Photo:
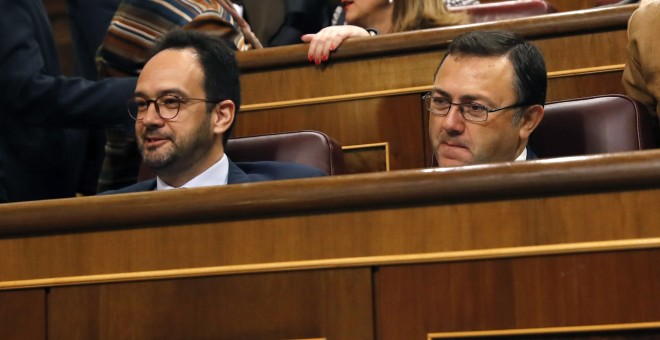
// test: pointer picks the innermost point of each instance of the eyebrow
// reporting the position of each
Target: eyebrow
(463, 98)
(174, 91)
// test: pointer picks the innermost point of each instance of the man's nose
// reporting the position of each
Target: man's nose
(454, 123)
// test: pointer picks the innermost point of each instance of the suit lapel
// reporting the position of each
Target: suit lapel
(236, 175)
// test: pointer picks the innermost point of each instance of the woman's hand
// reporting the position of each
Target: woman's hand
(328, 39)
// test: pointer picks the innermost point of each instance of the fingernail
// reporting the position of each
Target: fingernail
(310, 57)
(325, 58)
(332, 47)
(317, 61)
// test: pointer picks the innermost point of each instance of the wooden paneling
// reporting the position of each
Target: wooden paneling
(23, 314)
(332, 304)
(562, 5)
(393, 119)
(537, 292)
(492, 206)
(585, 85)
(523, 245)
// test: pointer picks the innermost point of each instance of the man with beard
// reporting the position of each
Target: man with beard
(487, 98)
(184, 108)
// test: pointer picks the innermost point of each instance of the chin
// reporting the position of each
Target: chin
(448, 162)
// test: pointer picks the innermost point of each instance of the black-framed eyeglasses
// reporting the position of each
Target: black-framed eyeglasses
(473, 112)
(167, 105)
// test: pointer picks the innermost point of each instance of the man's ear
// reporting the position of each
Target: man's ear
(223, 116)
(530, 120)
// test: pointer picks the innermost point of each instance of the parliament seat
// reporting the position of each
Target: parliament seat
(306, 147)
(313, 148)
(592, 125)
(504, 10)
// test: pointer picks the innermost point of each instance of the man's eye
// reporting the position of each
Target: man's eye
(170, 102)
(141, 104)
(475, 107)
(440, 101)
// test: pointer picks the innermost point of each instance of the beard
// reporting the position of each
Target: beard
(179, 153)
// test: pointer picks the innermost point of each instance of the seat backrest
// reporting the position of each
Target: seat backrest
(502, 10)
(591, 125)
(307, 147)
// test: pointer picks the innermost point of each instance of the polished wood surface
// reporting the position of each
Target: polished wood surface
(404, 254)
(563, 5)
(522, 293)
(332, 304)
(279, 222)
(23, 314)
(556, 25)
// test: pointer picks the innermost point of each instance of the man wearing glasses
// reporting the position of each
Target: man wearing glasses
(184, 107)
(487, 98)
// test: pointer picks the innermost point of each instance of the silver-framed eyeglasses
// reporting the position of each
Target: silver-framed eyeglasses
(473, 112)
(167, 105)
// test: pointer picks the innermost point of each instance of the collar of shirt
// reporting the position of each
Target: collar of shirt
(523, 155)
(215, 175)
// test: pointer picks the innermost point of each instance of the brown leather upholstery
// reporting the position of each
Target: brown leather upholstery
(311, 148)
(506, 10)
(591, 125)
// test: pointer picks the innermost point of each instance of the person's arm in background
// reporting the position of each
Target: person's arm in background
(327, 40)
(641, 76)
(31, 89)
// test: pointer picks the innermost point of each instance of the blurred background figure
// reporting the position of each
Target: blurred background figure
(88, 23)
(283, 22)
(45, 117)
(371, 17)
(641, 76)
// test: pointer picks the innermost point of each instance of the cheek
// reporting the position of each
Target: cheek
(435, 126)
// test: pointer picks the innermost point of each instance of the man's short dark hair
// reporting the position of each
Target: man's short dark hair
(221, 75)
(530, 82)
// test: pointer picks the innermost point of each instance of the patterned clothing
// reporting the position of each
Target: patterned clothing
(338, 17)
(458, 3)
(138, 24)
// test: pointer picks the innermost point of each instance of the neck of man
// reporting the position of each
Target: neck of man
(181, 173)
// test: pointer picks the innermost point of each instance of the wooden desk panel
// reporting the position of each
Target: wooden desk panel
(23, 314)
(595, 289)
(388, 119)
(332, 304)
(395, 62)
(501, 246)
(322, 222)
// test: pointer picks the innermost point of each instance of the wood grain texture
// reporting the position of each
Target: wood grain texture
(392, 119)
(552, 291)
(588, 199)
(23, 314)
(334, 304)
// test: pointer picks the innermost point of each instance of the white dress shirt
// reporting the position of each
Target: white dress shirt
(523, 155)
(215, 175)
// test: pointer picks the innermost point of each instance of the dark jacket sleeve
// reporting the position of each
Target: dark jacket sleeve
(31, 88)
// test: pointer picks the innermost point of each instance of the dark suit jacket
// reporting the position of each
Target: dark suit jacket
(243, 172)
(40, 151)
(530, 154)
